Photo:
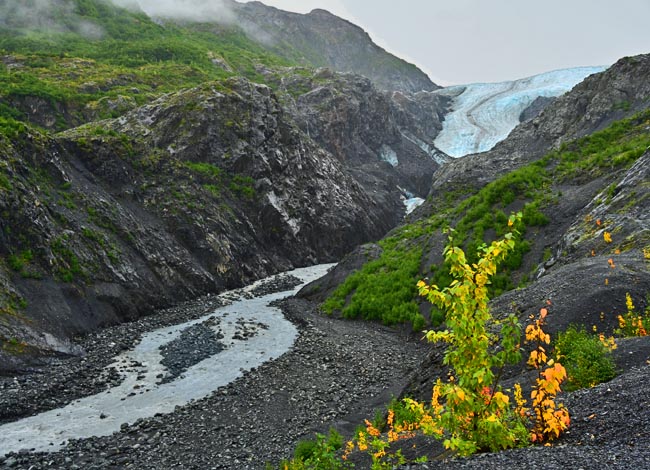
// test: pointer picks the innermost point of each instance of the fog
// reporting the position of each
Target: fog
(45, 16)
(187, 10)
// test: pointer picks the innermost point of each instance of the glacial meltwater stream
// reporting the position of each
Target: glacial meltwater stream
(250, 331)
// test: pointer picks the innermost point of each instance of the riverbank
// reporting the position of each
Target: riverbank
(337, 373)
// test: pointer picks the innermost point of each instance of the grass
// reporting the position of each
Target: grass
(205, 169)
(615, 147)
(135, 57)
(384, 290)
(68, 268)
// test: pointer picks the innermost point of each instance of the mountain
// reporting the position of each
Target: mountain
(483, 114)
(575, 172)
(594, 104)
(322, 39)
(67, 62)
(155, 161)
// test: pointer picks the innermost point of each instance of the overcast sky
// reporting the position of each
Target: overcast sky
(466, 41)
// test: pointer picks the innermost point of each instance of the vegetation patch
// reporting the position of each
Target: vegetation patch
(207, 170)
(481, 217)
(587, 360)
(68, 267)
(243, 186)
(615, 147)
(135, 58)
(634, 322)
(383, 289)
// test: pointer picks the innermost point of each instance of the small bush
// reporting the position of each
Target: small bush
(633, 323)
(587, 360)
(321, 454)
(205, 169)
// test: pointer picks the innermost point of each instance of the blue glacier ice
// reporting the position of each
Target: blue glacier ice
(483, 114)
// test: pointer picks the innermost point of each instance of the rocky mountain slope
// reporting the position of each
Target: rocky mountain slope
(322, 39)
(580, 190)
(195, 158)
(200, 190)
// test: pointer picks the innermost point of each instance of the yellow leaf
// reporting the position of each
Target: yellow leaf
(505, 399)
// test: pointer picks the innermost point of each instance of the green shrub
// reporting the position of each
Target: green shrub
(243, 186)
(18, 262)
(587, 360)
(205, 169)
(321, 454)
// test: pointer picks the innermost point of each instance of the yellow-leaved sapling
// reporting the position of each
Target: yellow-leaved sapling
(475, 413)
(549, 418)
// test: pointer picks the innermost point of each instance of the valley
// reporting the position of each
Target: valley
(242, 335)
(212, 234)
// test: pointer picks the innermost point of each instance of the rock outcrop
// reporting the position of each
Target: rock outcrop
(385, 139)
(201, 190)
(325, 40)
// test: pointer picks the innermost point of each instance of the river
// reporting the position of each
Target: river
(251, 332)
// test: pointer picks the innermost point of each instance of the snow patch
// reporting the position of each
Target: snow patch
(387, 154)
(278, 203)
(412, 203)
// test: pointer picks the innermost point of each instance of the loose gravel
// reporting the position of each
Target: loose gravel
(194, 344)
(337, 373)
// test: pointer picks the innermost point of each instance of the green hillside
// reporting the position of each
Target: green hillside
(127, 60)
(384, 288)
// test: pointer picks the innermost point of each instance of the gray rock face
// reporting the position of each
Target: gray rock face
(325, 40)
(621, 209)
(536, 107)
(198, 191)
(386, 139)
(618, 92)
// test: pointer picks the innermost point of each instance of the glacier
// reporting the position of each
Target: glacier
(483, 114)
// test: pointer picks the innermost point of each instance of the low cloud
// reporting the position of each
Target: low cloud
(185, 10)
(46, 16)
